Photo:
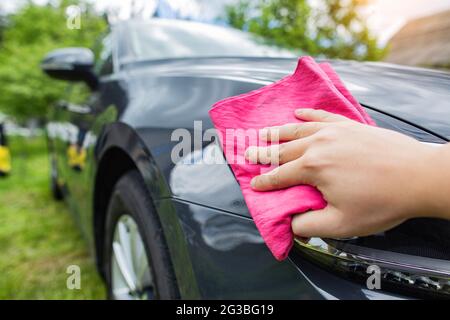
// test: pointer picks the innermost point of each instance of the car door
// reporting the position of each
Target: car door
(76, 117)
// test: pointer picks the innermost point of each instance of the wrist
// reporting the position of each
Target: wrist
(433, 183)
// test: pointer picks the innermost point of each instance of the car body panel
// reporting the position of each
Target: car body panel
(415, 95)
(224, 257)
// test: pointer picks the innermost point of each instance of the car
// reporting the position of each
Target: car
(163, 229)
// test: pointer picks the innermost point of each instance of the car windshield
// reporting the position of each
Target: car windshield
(165, 39)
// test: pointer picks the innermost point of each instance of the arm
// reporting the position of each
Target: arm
(372, 178)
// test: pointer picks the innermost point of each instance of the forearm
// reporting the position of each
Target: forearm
(436, 186)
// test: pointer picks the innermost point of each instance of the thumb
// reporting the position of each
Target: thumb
(324, 223)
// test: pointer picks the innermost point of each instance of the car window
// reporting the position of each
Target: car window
(165, 39)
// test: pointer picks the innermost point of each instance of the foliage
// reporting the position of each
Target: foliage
(283, 22)
(343, 33)
(335, 28)
(38, 237)
(30, 33)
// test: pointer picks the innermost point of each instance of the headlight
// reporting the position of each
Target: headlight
(413, 258)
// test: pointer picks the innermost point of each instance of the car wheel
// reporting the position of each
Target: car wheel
(137, 262)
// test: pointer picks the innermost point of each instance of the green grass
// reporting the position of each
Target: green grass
(38, 238)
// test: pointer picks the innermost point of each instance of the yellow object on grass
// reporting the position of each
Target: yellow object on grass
(5, 160)
(76, 157)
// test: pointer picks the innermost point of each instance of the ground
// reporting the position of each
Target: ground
(38, 238)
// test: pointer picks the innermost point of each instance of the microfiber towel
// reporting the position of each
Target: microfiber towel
(312, 85)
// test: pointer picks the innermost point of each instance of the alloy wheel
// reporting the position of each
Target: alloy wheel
(131, 276)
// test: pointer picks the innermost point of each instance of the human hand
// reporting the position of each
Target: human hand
(372, 178)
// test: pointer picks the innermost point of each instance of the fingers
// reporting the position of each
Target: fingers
(287, 175)
(290, 131)
(278, 154)
(319, 115)
(317, 119)
(323, 223)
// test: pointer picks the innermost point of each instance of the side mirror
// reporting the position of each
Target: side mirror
(71, 64)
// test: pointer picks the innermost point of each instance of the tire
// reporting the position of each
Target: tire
(130, 204)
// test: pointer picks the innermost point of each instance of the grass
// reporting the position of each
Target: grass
(38, 238)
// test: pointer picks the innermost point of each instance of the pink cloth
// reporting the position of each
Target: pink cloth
(312, 85)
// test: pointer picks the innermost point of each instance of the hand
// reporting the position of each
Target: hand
(372, 178)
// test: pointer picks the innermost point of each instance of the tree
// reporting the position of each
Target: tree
(335, 28)
(281, 22)
(343, 33)
(30, 33)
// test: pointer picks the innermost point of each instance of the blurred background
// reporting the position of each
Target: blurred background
(37, 237)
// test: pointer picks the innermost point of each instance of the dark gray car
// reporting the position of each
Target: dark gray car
(160, 229)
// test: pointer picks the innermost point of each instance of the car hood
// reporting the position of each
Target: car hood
(415, 95)
(418, 96)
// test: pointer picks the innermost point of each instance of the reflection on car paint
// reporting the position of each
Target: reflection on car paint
(230, 260)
